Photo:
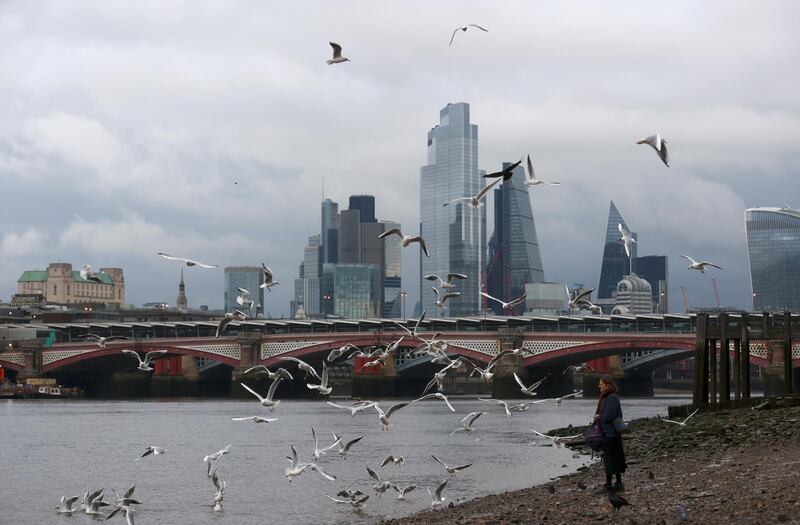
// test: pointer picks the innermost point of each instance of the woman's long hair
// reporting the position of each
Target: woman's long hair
(611, 385)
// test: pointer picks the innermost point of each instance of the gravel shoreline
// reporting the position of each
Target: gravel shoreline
(727, 467)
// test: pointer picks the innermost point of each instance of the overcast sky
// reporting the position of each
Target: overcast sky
(125, 126)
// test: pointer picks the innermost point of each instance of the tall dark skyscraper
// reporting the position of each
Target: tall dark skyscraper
(653, 269)
(773, 249)
(350, 237)
(615, 261)
(330, 231)
(364, 204)
(514, 259)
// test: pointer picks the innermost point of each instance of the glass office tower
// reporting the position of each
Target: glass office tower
(330, 231)
(773, 249)
(615, 261)
(456, 234)
(514, 258)
(653, 269)
(247, 277)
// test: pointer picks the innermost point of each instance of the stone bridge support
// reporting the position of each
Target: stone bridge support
(32, 350)
(250, 348)
(504, 386)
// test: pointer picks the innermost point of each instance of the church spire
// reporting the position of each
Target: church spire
(181, 303)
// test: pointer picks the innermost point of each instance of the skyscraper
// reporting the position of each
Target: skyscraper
(312, 273)
(365, 204)
(330, 231)
(455, 235)
(247, 277)
(653, 269)
(350, 237)
(514, 259)
(773, 249)
(615, 262)
(392, 278)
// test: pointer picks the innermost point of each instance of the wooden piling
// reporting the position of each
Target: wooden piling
(724, 360)
(787, 353)
(712, 370)
(737, 370)
(700, 361)
(744, 349)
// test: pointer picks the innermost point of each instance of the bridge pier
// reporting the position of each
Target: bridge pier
(504, 386)
(380, 384)
(32, 350)
(184, 383)
(775, 378)
(250, 355)
(636, 384)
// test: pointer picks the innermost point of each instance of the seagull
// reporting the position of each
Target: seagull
(529, 390)
(236, 315)
(437, 395)
(531, 180)
(438, 499)
(305, 367)
(681, 423)
(474, 201)
(516, 351)
(88, 275)
(658, 144)
(127, 498)
(266, 402)
(448, 282)
(127, 510)
(220, 485)
(189, 262)
(399, 460)
(88, 498)
(268, 282)
(344, 449)
(402, 491)
(144, 364)
(451, 470)
(353, 410)
(405, 240)
(464, 28)
(575, 299)
(626, 238)
(485, 373)
(216, 455)
(155, 451)
(583, 367)
(65, 507)
(321, 451)
(558, 400)
(509, 305)
(380, 485)
(557, 440)
(298, 468)
(93, 505)
(102, 341)
(255, 419)
(499, 402)
(506, 173)
(355, 502)
(699, 265)
(383, 417)
(522, 407)
(323, 387)
(413, 333)
(437, 381)
(467, 421)
(440, 299)
(261, 369)
(338, 353)
(337, 55)
(243, 299)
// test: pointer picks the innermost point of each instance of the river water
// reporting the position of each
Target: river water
(54, 448)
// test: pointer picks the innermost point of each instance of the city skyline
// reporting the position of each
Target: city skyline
(89, 148)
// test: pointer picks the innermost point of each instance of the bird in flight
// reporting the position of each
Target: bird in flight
(144, 364)
(440, 299)
(506, 172)
(448, 282)
(464, 28)
(475, 201)
(627, 238)
(507, 305)
(681, 423)
(658, 144)
(189, 262)
(88, 275)
(694, 265)
(405, 240)
(337, 55)
(531, 180)
(268, 282)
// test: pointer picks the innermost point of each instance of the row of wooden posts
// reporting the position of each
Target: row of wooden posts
(713, 373)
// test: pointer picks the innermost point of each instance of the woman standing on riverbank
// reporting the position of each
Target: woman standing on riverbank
(608, 410)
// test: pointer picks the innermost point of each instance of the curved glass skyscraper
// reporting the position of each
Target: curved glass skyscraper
(773, 249)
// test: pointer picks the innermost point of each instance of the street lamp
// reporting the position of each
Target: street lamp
(325, 304)
(404, 294)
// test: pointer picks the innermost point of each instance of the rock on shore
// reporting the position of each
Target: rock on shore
(725, 467)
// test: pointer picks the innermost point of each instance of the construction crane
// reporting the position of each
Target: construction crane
(716, 290)
(685, 300)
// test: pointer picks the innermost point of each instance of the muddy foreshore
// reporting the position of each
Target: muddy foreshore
(726, 467)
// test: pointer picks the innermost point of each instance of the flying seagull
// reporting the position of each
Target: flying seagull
(337, 55)
(353, 410)
(304, 367)
(101, 341)
(399, 460)
(383, 417)
(268, 282)
(323, 387)
(475, 200)
(255, 419)
(243, 299)
(699, 265)
(627, 238)
(144, 364)
(464, 28)
(356, 502)
(507, 305)
(438, 499)
(500, 402)
(380, 485)
(451, 470)
(681, 423)
(189, 262)
(321, 451)
(448, 282)
(266, 402)
(531, 180)
(218, 454)
(297, 468)
(576, 300)
(405, 240)
(236, 315)
(436, 395)
(467, 422)
(402, 491)
(155, 451)
(506, 172)
(88, 275)
(344, 448)
(65, 507)
(557, 440)
(583, 367)
(220, 485)
(529, 390)
(658, 144)
(440, 299)
(413, 333)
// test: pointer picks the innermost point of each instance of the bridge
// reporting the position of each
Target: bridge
(549, 344)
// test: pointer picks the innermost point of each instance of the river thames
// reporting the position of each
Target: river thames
(64, 448)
